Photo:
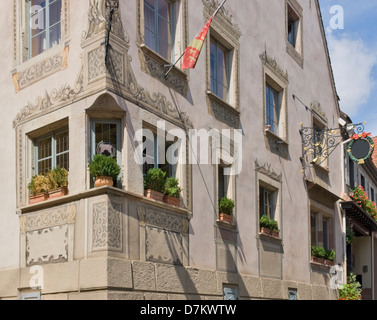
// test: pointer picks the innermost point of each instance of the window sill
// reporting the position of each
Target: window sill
(322, 168)
(270, 135)
(226, 225)
(157, 67)
(270, 238)
(321, 265)
(292, 51)
(223, 111)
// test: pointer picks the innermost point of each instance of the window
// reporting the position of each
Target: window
(219, 57)
(223, 183)
(159, 19)
(351, 173)
(293, 27)
(294, 31)
(267, 202)
(106, 140)
(372, 194)
(362, 181)
(272, 109)
(321, 230)
(44, 25)
(158, 154)
(52, 151)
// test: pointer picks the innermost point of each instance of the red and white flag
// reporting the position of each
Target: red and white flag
(192, 52)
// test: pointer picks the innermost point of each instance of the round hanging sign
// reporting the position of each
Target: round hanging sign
(361, 147)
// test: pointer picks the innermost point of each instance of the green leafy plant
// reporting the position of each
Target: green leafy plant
(39, 184)
(318, 252)
(226, 206)
(104, 166)
(172, 188)
(268, 223)
(155, 180)
(352, 290)
(57, 178)
(350, 235)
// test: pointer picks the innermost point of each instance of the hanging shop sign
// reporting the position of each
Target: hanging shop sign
(361, 147)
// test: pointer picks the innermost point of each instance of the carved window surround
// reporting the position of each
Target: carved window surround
(26, 72)
(228, 34)
(297, 53)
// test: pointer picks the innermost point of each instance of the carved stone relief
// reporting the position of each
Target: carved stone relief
(268, 171)
(107, 227)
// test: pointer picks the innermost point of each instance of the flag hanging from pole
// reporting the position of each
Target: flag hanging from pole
(192, 52)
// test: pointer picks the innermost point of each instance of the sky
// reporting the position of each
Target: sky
(352, 40)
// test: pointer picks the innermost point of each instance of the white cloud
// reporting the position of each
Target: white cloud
(353, 64)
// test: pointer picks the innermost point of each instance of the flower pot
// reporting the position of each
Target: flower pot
(155, 195)
(226, 218)
(329, 263)
(38, 198)
(63, 191)
(318, 260)
(104, 181)
(172, 200)
(275, 234)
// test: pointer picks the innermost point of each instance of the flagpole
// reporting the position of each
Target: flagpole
(172, 66)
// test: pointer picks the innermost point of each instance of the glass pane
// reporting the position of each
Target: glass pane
(62, 142)
(63, 161)
(55, 9)
(44, 148)
(39, 44)
(44, 166)
(163, 9)
(37, 20)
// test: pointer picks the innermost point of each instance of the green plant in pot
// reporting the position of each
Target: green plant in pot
(172, 191)
(269, 226)
(105, 170)
(226, 207)
(318, 254)
(154, 184)
(38, 188)
(58, 182)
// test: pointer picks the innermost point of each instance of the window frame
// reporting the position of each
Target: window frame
(294, 16)
(171, 29)
(214, 71)
(322, 215)
(273, 196)
(92, 148)
(54, 155)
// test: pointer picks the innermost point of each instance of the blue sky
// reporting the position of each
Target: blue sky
(353, 52)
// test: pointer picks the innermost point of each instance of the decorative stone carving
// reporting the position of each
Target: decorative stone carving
(273, 65)
(267, 171)
(315, 106)
(223, 112)
(107, 227)
(50, 100)
(96, 18)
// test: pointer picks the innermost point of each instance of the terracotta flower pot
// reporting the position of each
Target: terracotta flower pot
(266, 231)
(38, 198)
(172, 200)
(318, 260)
(58, 193)
(226, 218)
(103, 181)
(155, 195)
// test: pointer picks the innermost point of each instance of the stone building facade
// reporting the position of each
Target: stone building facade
(263, 74)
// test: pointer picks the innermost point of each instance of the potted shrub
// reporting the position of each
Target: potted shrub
(154, 184)
(318, 254)
(172, 191)
(38, 188)
(58, 182)
(269, 226)
(226, 207)
(105, 170)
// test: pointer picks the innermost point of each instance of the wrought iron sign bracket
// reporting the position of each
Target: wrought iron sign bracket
(319, 143)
